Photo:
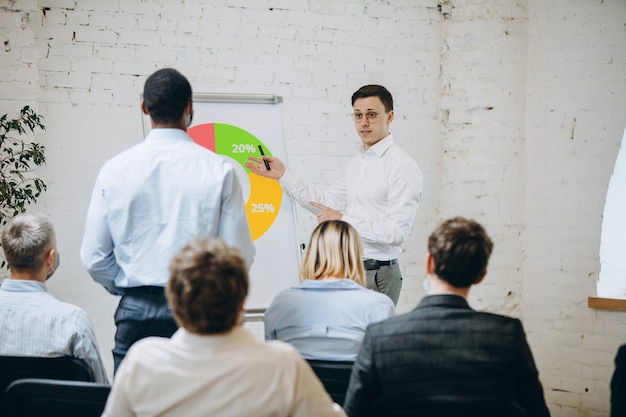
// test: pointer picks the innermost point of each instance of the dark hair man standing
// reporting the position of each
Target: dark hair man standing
(443, 353)
(148, 202)
(378, 195)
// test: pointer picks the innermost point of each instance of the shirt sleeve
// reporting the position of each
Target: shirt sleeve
(96, 251)
(269, 323)
(86, 347)
(233, 221)
(334, 195)
(390, 310)
(364, 389)
(529, 389)
(405, 187)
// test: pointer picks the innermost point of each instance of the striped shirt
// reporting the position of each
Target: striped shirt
(34, 323)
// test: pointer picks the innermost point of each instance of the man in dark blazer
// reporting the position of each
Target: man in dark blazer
(443, 358)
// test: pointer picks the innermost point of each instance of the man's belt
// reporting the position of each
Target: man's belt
(145, 290)
(373, 264)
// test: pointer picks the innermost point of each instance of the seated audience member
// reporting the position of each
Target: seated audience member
(212, 366)
(443, 351)
(326, 316)
(618, 384)
(32, 321)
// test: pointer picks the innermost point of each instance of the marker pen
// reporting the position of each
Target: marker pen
(267, 164)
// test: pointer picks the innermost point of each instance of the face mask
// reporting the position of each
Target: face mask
(426, 286)
(54, 268)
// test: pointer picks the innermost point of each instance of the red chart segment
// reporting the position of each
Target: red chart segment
(265, 194)
(204, 135)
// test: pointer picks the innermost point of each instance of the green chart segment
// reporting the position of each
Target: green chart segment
(236, 143)
(265, 194)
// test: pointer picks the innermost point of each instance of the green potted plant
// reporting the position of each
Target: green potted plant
(19, 186)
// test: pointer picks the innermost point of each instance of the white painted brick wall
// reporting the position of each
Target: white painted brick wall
(482, 105)
(576, 67)
(514, 111)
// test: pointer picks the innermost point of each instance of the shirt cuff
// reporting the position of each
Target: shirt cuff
(288, 181)
(349, 219)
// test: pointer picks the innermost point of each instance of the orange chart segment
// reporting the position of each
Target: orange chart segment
(265, 194)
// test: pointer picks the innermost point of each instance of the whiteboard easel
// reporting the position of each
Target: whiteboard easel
(277, 256)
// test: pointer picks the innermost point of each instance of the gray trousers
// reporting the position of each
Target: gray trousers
(386, 279)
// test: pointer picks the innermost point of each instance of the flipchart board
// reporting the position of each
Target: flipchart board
(233, 126)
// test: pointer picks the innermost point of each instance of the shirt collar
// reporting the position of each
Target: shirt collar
(340, 284)
(168, 134)
(450, 300)
(379, 148)
(237, 336)
(22, 285)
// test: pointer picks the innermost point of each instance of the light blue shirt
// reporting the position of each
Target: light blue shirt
(154, 198)
(326, 320)
(34, 323)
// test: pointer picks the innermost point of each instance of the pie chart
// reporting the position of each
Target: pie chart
(264, 195)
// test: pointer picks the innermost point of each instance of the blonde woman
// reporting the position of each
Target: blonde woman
(326, 315)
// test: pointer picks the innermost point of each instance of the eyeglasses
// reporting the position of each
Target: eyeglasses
(371, 116)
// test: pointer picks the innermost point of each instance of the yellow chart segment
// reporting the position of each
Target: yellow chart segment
(263, 204)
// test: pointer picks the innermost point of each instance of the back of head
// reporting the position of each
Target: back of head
(334, 251)
(25, 241)
(166, 93)
(374, 90)
(207, 287)
(460, 249)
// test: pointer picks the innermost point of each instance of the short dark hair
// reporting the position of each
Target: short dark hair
(373, 90)
(166, 93)
(25, 241)
(207, 287)
(460, 249)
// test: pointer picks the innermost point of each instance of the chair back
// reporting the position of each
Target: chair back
(13, 368)
(50, 397)
(335, 377)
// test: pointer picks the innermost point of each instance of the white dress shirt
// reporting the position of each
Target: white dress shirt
(378, 195)
(34, 323)
(154, 198)
(233, 374)
(326, 320)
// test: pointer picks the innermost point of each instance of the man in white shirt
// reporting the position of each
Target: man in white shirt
(32, 321)
(212, 366)
(148, 202)
(378, 195)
